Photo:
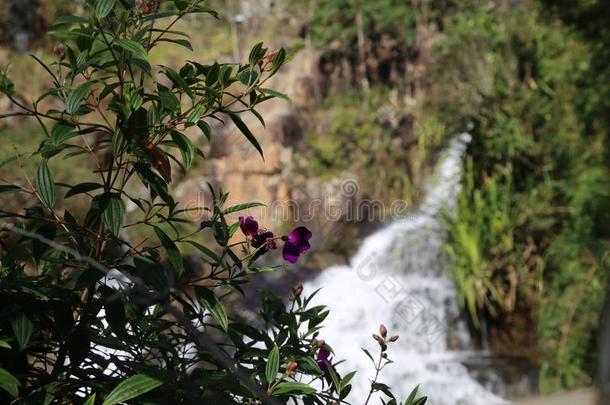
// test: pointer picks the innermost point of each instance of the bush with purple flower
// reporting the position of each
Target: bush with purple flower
(295, 243)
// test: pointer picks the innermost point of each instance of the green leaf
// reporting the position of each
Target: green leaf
(61, 132)
(186, 147)
(104, 7)
(248, 77)
(79, 344)
(368, 354)
(9, 188)
(134, 47)
(205, 128)
(47, 231)
(114, 214)
(9, 383)
(152, 116)
(23, 328)
(256, 53)
(246, 131)
(115, 311)
(274, 93)
(179, 82)
(412, 395)
(168, 100)
(90, 401)
(6, 84)
(182, 42)
(173, 254)
(45, 185)
(293, 388)
(335, 378)
(206, 251)
(273, 365)
(70, 19)
(211, 302)
(131, 388)
(82, 188)
(156, 185)
(278, 61)
(241, 207)
(195, 115)
(76, 97)
(4, 344)
(309, 365)
(346, 380)
(181, 4)
(256, 270)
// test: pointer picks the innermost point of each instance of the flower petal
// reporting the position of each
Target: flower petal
(248, 226)
(299, 235)
(264, 238)
(291, 252)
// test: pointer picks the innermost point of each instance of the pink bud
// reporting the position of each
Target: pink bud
(59, 49)
(320, 342)
(383, 330)
(394, 338)
(292, 365)
(138, 3)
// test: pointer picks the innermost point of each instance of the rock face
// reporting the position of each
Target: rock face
(290, 198)
(235, 165)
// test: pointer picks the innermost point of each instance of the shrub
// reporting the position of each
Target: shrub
(525, 240)
(86, 314)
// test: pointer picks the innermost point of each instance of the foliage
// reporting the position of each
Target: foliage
(357, 135)
(88, 314)
(526, 236)
(372, 37)
(335, 21)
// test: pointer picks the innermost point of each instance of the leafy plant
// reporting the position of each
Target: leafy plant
(523, 243)
(89, 316)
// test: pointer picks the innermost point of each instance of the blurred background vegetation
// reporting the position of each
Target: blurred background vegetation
(529, 79)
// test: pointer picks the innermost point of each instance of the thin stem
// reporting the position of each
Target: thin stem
(374, 381)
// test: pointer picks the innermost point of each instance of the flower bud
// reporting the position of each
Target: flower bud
(383, 331)
(384, 355)
(394, 338)
(138, 3)
(292, 366)
(378, 338)
(320, 342)
(59, 49)
(298, 291)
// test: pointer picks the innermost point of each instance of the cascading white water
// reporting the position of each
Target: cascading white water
(400, 277)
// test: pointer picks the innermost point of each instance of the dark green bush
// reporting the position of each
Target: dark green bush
(88, 315)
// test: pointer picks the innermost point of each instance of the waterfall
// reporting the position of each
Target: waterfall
(400, 277)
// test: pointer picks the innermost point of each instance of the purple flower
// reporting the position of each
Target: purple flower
(249, 226)
(264, 238)
(297, 243)
(322, 358)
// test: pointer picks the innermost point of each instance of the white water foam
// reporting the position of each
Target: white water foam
(400, 277)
